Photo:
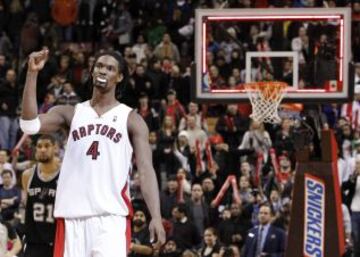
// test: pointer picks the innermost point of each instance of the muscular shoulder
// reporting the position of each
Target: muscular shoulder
(136, 124)
(65, 111)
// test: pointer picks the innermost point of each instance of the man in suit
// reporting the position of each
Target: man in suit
(264, 240)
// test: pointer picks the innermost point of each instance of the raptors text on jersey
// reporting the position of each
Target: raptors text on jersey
(95, 170)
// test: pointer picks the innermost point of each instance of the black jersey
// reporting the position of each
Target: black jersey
(39, 220)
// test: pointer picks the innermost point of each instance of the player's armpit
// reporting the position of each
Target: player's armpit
(56, 118)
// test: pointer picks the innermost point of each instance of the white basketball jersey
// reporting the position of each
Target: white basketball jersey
(95, 171)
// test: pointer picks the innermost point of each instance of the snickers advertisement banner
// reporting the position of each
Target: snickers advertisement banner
(316, 226)
(314, 216)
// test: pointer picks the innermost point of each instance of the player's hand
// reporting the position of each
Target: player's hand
(157, 233)
(37, 60)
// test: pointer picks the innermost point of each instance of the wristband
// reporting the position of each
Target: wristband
(30, 127)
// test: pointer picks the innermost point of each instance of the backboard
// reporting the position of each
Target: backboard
(309, 49)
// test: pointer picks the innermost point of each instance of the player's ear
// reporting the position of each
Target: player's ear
(119, 78)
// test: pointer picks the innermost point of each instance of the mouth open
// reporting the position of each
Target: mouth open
(101, 81)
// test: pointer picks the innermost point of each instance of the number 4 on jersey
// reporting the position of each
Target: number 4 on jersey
(93, 150)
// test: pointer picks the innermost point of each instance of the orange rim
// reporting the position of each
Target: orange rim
(270, 90)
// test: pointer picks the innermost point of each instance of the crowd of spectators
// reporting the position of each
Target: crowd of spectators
(196, 148)
(316, 43)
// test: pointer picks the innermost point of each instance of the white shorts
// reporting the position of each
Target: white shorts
(99, 236)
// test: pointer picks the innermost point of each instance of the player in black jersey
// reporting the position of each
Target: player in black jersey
(40, 184)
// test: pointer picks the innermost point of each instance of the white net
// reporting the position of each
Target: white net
(265, 98)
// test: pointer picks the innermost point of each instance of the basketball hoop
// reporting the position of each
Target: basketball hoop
(265, 98)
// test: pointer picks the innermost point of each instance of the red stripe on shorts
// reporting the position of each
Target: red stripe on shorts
(128, 218)
(59, 238)
(128, 234)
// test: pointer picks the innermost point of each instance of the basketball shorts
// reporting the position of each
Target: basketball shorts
(36, 250)
(98, 236)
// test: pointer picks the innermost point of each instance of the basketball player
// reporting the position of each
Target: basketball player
(92, 194)
(40, 183)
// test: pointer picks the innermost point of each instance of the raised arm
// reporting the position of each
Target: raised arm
(139, 136)
(30, 122)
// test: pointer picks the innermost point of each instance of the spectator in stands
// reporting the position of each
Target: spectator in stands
(142, 82)
(167, 49)
(148, 113)
(68, 95)
(22, 157)
(140, 237)
(30, 35)
(140, 48)
(284, 140)
(351, 196)
(229, 44)
(285, 175)
(210, 190)
(200, 121)
(224, 68)
(245, 189)
(78, 68)
(170, 249)
(351, 110)
(265, 239)
(123, 25)
(184, 183)
(185, 232)
(158, 77)
(9, 100)
(179, 83)
(167, 137)
(258, 200)
(225, 161)
(299, 43)
(198, 209)
(48, 103)
(211, 243)
(173, 107)
(5, 165)
(232, 126)
(195, 133)
(345, 138)
(287, 72)
(246, 169)
(275, 201)
(85, 76)
(8, 236)
(65, 69)
(240, 224)
(10, 196)
(258, 139)
(215, 79)
(184, 154)
(282, 219)
(56, 86)
(168, 197)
